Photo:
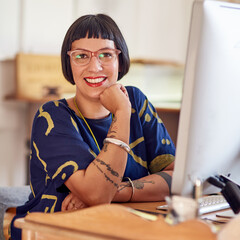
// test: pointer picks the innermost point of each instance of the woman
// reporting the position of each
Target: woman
(107, 143)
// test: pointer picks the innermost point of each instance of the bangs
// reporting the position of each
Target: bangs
(93, 27)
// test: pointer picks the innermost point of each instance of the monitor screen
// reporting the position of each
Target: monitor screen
(208, 140)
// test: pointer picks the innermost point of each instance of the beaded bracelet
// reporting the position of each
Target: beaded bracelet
(132, 185)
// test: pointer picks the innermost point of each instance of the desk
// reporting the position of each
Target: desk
(111, 221)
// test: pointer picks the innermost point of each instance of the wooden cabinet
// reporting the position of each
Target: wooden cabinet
(170, 118)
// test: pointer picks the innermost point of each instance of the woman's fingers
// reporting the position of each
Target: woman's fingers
(124, 90)
(115, 98)
(71, 202)
(66, 202)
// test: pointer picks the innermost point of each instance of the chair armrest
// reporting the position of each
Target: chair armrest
(8, 216)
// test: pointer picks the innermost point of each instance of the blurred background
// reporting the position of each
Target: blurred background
(156, 32)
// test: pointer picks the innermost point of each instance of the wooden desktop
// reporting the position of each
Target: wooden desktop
(112, 221)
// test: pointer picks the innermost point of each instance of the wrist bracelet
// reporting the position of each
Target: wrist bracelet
(118, 143)
(132, 185)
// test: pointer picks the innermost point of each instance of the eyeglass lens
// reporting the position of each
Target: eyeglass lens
(83, 57)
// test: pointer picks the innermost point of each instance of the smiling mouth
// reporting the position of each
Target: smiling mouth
(95, 80)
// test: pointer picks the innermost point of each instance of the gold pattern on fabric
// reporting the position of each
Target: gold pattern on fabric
(155, 114)
(47, 177)
(143, 108)
(92, 152)
(50, 197)
(30, 156)
(46, 209)
(145, 105)
(160, 162)
(66, 164)
(74, 124)
(37, 153)
(43, 163)
(135, 143)
(166, 141)
(147, 118)
(32, 189)
(47, 116)
(56, 102)
(133, 110)
(138, 159)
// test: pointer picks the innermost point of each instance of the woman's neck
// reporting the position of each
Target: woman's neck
(89, 109)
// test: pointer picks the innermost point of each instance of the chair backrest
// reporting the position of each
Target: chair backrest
(11, 197)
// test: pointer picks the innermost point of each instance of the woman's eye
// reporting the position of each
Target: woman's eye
(105, 55)
(81, 56)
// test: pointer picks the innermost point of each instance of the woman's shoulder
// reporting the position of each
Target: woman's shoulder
(135, 92)
(56, 108)
(133, 89)
(61, 103)
(136, 96)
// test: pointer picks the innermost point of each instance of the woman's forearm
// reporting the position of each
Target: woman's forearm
(100, 181)
(154, 187)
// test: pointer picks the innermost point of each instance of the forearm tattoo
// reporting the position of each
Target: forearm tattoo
(112, 132)
(124, 185)
(114, 173)
(105, 146)
(166, 177)
(139, 184)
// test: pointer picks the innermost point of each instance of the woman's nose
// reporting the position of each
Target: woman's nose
(94, 65)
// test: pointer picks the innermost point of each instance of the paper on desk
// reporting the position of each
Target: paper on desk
(220, 217)
(227, 214)
(144, 215)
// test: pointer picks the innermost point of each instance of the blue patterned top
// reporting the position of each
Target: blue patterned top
(62, 144)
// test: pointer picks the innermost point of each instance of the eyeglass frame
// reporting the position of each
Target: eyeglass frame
(93, 54)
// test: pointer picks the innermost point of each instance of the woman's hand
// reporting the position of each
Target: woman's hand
(115, 98)
(71, 202)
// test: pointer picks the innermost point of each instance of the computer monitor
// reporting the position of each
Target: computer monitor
(208, 140)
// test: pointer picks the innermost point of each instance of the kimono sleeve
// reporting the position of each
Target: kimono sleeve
(57, 145)
(159, 145)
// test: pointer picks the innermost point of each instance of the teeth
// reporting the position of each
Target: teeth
(95, 80)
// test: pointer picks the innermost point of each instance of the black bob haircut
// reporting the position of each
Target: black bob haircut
(94, 26)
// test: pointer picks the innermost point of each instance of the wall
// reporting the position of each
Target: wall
(155, 29)
(12, 130)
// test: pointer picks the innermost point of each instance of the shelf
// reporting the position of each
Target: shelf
(168, 106)
(157, 62)
(30, 100)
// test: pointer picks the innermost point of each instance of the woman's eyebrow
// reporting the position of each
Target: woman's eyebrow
(101, 49)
